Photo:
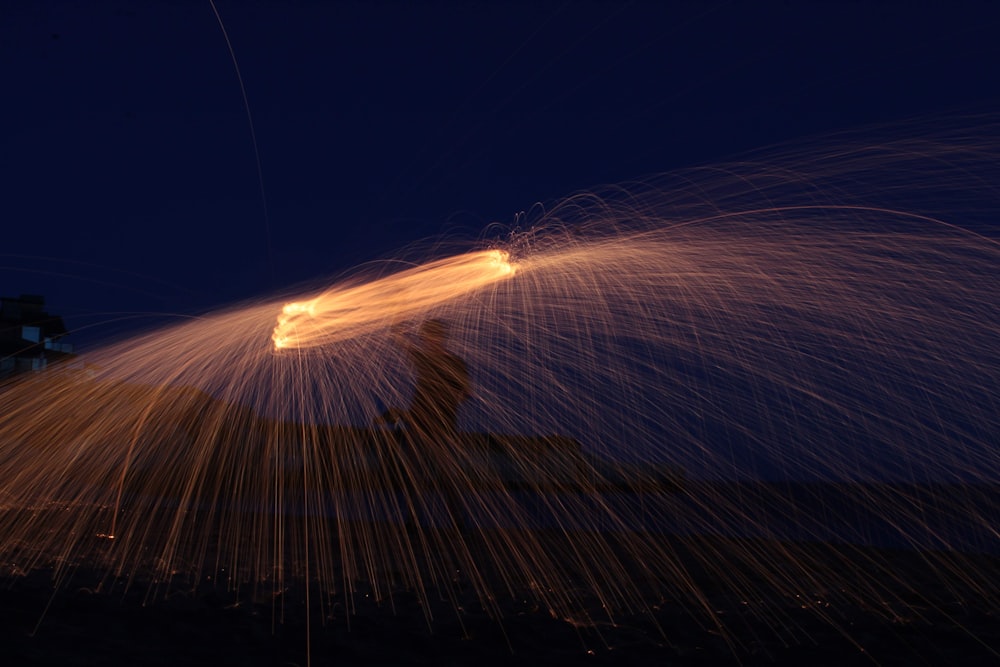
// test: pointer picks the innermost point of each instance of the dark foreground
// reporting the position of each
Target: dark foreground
(83, 623)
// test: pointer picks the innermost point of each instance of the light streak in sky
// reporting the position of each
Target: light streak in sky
(344, 312)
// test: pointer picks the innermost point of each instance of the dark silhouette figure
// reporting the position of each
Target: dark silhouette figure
(442, 385)
(431, 420)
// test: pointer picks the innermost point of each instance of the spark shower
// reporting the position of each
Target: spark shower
(827, 316)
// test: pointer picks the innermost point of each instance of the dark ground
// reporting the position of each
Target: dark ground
(84, 623)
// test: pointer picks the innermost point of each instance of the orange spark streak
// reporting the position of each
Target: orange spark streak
(340, 312)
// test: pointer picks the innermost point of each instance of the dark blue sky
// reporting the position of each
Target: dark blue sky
(129, 178)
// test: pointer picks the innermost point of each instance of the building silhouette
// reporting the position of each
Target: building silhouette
(31, 339)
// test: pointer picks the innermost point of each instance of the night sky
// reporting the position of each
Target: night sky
(129, 175)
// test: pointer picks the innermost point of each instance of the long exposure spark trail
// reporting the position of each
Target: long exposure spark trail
(751, 373)
(345, 312)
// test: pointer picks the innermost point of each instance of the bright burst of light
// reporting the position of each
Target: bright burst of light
(345, 312)
(654, 354)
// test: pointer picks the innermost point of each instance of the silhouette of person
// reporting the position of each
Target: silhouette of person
(431, 420)
(442, 384)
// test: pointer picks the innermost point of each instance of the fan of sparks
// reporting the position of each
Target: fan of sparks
(646, 361)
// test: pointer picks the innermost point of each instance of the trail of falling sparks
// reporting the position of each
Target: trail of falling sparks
(343, 312)
(651, 359)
